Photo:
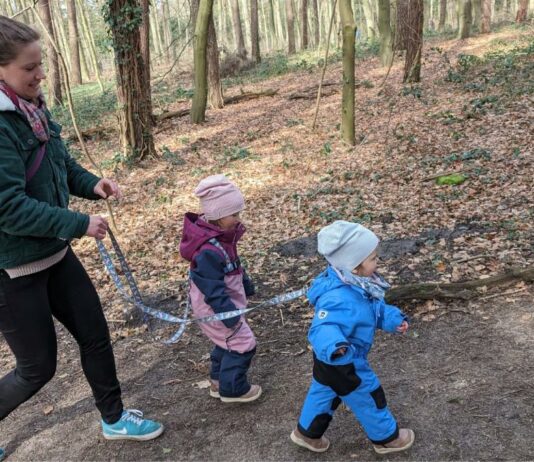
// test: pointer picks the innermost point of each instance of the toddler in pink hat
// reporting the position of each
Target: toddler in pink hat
(218, 284)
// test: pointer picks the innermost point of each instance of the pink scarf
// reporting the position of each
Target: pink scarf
(34, 113)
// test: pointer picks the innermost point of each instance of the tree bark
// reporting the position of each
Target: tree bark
(522, 11)
(54, 81)
(170, 53)
(254, 32)
(414, 41)
(485, 24)
(238, 30)
(198, 107)
(442, 15)
(304, 24)
(290, 17)
(133, 89)
(76, 72)
(403, 24)
(347, 102)
(464, 19)
(370, 23)
(386, 38)
(476, 13)
(316, 23)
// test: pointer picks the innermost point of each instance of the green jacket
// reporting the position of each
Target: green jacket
(34, 218)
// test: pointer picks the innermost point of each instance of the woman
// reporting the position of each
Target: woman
(40, 276)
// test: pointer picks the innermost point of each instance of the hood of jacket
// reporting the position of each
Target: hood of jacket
(197, 232)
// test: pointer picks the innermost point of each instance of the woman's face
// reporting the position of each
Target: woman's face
(25, 72)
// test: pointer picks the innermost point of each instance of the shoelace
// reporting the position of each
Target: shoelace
(134, 415)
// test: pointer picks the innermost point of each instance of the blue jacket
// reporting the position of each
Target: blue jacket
(346, 316)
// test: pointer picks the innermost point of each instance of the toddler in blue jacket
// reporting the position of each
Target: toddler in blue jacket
(349, 307)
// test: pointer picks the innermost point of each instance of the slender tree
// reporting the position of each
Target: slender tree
(304, 24)
(238, 29)
(90, 41)
(386, 38)
(485, 24)
(369, 18)
(522, 11)
(76, 73)
(442, 15)
(198, 108)
(290, 17)
(464, 18)
(347, 104)
(254, 32)
(414, 41)
(124, 18)
(316, 24)
(476, 6)
(54, 85)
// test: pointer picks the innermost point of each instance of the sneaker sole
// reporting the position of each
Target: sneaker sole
(148, 436)
(239, 399)
(384, 450)
(214, 394)
(303, 444)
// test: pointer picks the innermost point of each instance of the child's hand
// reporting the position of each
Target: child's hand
(340, 352)
(403, 328)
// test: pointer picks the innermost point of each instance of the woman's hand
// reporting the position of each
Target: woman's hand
(106, 188)
(98, 227)
(403, 328)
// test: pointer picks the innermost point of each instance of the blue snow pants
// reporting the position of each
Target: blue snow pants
(358, 387)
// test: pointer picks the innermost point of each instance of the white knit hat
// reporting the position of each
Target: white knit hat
(345, 245)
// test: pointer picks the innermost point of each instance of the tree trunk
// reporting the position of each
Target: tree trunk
(485, 25)
(238, 29)
(144, 37)
(304, 24)
(316, 24)
(290, 17)
(370, 23)
(414, 41)
(167, 35)
(133, 89)
(426, 14)
(386, 38)
(156, 34)
(476, 13)
(54, 81)
(347, 102)
(522, 11)
(198, 107)
(442, 15)
(76, 73)
(464, 19)
(403, 24)
(254, 32)
(91, 42)
(272, 23)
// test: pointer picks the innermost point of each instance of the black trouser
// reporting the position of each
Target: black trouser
(27, 305)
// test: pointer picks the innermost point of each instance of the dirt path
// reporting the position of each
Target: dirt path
(462, 381)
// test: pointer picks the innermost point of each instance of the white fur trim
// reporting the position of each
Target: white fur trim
(5, 103)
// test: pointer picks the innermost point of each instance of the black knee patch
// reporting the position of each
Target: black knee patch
(317, 427)
(379, 397)
(342, 379)
(335, 403)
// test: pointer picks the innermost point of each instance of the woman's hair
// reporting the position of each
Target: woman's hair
(14, 35)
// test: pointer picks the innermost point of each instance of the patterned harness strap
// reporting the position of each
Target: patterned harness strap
(229, 264)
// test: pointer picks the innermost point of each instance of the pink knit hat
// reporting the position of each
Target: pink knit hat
(219, 197)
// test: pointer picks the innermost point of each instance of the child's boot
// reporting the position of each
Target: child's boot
(401, 443)
(252, 395)
(214, 388)
(313, 444)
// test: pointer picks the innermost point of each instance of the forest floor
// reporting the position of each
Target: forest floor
(461, 377)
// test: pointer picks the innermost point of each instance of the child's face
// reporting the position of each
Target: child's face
(229, 222)
(367, 267)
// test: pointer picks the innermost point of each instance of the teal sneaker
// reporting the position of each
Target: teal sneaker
(2, 454)
(132, 426)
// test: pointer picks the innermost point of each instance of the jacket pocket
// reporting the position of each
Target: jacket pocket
(342, 379)
(379, 397)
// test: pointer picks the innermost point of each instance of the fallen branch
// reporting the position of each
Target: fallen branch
(311, 92)
(456, 290)
(228, 100)
(437, 175)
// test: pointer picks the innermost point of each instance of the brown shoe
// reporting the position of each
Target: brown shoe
(252, 395)
(214, 388)
(401, 443)
(313, 444)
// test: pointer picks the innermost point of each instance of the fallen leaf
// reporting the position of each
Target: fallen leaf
(48, 409)
(202, 384)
